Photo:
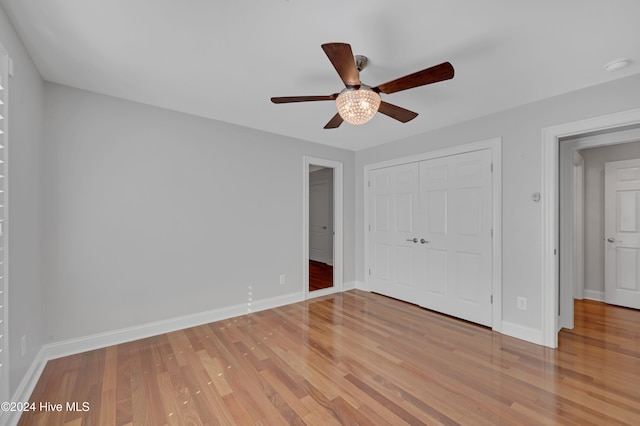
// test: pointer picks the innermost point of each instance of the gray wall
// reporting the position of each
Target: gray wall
(594, 159)
(24, 147)
(520, 129)
(137, 214)
(153, 214)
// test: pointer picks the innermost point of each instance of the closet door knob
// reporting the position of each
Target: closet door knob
(412, 240)
(423, 241)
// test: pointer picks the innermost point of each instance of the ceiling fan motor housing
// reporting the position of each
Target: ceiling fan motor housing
(361, 62)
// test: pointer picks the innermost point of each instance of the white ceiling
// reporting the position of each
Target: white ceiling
(224, 59)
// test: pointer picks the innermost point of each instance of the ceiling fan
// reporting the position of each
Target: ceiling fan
(358, 103)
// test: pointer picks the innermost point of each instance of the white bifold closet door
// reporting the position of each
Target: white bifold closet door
(430, 236)
(394, 211)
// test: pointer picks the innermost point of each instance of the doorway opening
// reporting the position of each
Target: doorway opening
(584, 218)
(321, 231)
(551, 137)
(322, 245)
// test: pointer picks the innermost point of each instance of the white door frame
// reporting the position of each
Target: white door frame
(495, 145)
(571, 229)
(577, 260)
(550, 221)
(571, 233)
(337, 225)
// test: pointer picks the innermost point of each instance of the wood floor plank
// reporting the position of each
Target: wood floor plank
(124, 408)
(354, 358)
(238, 412)
(109, 385)
(141, 406)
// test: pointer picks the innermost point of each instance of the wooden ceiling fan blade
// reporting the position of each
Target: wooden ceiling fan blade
(335, 122)
(443, 71)
(341, 57)
(396, 112)
(290, 99)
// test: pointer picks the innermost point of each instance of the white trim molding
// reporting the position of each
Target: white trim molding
(26, 387)
(115, 337)
(593, 295)
(337, 225)
(550, 139)
(350, 285)
(362, 285)
(123, 335)
(518, 331)
(495, 145)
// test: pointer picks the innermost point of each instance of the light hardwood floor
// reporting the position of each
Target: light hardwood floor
(355, 358)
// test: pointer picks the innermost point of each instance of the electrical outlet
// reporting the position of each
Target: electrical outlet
(23, 346)
(522, 303)
(283, 279)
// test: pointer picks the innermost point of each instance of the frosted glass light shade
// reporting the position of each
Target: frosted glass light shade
(357, 106)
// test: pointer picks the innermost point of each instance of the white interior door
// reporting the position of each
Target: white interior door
(456, 259)
(319, 229)
(622, 233)
(393, 208)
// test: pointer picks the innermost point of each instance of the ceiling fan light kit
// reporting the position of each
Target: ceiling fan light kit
(358, 103)
(358, 106)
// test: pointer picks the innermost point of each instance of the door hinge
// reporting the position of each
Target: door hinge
(369, 183)
(369, 227)
(369, 271)
(491, 167)
(492, 299)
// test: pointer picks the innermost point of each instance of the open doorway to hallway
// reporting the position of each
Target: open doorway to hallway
(591, 258)
(554, 295)
(321, 232)
(323, 219)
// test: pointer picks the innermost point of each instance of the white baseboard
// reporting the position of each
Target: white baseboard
(351, 285)
(529, 334)
(360, 285)
(116, 337)
(593, 295)
(101, 340)
(324, 292)
(26, 387)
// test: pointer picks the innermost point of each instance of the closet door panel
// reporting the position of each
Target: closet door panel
(393, 214)
(455, 196)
